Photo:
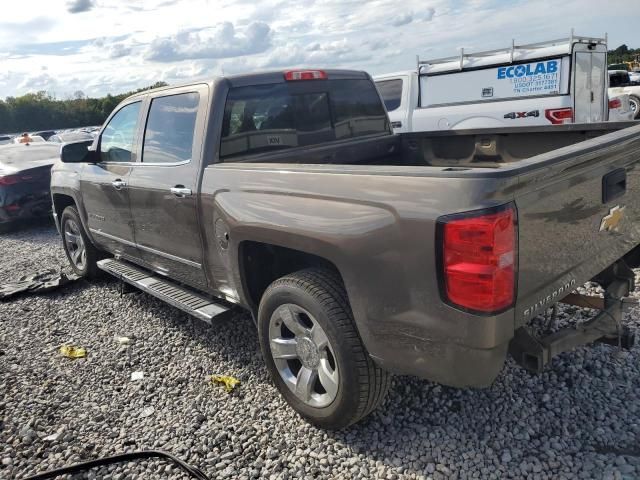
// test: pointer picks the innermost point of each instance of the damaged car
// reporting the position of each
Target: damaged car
(25, 173)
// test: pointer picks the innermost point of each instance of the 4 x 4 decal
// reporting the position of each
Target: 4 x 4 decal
(514, 115)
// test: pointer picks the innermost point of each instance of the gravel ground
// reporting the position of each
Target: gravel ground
(577, 420)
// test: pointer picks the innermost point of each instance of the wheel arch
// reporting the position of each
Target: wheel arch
(261, 263)
(63, 199)
(60, 202)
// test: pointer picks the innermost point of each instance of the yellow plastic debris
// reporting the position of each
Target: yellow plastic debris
(71, 351)
(230, 383)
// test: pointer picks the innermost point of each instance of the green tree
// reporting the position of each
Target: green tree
(624, 54)
(41, 111)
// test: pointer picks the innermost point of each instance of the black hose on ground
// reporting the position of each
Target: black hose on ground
(123, 457)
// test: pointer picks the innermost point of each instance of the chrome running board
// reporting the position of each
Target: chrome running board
(176, 295)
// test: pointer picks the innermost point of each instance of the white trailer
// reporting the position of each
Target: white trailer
(554, 82)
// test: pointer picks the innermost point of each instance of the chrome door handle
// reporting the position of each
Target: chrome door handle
(118, 184)
(181, 192)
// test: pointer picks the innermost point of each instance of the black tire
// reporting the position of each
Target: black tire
(90, 268)
(362, 386)
(635, 100)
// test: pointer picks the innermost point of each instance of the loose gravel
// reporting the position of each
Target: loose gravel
(577, 420)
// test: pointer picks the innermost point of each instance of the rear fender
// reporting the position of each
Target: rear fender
(353, 237)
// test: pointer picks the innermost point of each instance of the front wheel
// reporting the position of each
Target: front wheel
(82, 255)
(314, 353)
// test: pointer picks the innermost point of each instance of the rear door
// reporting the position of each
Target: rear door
(163, 186)
(590, 86)
(103, 185)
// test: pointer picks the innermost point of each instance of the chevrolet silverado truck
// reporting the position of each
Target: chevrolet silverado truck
(359, 253)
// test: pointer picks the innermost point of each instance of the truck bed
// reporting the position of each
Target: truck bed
(553, 175)
(495, 147)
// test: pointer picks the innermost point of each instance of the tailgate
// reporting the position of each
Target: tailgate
(569, 232)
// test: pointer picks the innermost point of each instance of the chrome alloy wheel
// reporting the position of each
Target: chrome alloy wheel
(75, 244)
(303, 355)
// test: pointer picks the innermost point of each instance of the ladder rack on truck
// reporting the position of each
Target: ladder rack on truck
(546, 83)
(514, 53)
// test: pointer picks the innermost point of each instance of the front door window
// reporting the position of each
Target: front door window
(116, 142)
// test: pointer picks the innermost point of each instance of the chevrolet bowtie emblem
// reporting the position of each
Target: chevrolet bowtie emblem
(610, 222)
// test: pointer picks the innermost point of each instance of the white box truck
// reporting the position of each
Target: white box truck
(554, 82)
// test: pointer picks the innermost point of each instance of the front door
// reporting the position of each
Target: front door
(103, 185)
(163, 186)
(589, 87)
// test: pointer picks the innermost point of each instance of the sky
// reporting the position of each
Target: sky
(114, 46)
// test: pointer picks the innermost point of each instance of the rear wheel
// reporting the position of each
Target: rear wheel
(314, 353)
(634, 103)
(80, 251)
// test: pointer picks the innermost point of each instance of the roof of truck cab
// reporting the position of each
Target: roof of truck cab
(386, 76)
(272, 76)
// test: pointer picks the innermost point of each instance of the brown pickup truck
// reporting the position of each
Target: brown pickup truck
(359, 253)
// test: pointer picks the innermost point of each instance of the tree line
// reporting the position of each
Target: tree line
(41, 111)
(624, 54)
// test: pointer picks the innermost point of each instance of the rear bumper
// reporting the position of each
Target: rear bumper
(16, 205)
(35, 209)
(441, 344)
(446, 363)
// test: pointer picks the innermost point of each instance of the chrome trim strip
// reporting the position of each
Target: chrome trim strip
(147, 164)
(169, 256)
(148, 249)
(112, 237)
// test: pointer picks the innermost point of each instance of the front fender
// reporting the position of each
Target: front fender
(65, 180)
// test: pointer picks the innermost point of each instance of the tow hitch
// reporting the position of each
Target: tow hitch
(534, 353)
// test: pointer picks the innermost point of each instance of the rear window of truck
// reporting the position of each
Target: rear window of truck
(263, 118)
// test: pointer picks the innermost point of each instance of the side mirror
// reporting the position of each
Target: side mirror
(78, 152)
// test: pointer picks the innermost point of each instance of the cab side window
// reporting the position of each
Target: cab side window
(391, 93)
(168, 136)
(116, 142)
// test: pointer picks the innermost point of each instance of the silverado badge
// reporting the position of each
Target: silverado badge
(610, 222)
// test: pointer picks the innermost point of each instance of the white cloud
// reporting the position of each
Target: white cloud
(222, 41)
(402, 19)
(118, 46)
(79, 6)
(38, 82)
(118, 50)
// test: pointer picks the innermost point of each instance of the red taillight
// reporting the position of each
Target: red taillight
(558, 116)
(9, 179)
(305, 75)
(479, 260)
(615, 103)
